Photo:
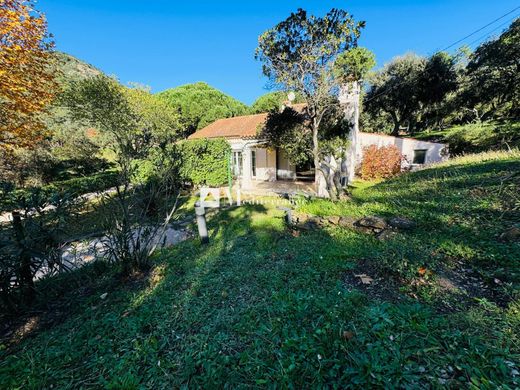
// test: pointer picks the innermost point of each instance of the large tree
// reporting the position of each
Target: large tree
(298, 55)
(408, 87)
(200, 104)
(493, 76)
(27, 74)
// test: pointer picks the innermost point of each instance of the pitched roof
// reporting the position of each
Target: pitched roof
(238, 127)
(246, 126)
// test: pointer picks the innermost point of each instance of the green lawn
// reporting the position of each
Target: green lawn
(267, 306)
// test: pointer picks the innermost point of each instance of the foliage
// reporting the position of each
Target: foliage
(354, 64)
(416, 94)
(156, 118)
(18, 198)
(272, 101)
(477, 137)
(298, 54)
(27, 74)
(32, 242)
(205, 161)
(381, 162)
(131, 120)
(260, 305)
(137, 128)
(408, 87)
(286, 130)
(493, 81)
(199, 105)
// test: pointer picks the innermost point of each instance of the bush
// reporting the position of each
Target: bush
(479, 137)
(381, 162)
(205, 161)
(14, 199)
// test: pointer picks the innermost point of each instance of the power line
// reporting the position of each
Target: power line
(480, 29)
(486, 35)
(455, 43)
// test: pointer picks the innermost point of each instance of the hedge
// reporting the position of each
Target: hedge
(73, 187)
(205, 161)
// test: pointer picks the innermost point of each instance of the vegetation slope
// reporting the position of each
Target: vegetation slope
(264, 303)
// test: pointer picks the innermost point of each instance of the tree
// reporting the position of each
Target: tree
(146, 160)
(272, 101)
(354, 64)
(199, 105)
(409, 87)
(493, 75)
(438, 80)
(395, 90)
(298, 54)
(27, 74)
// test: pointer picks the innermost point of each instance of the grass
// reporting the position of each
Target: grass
(266, 306)
(477, 137)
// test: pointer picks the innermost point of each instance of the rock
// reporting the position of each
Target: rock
(347, 221)
(300, 218)
(402, 223)
(334, 220)
(363, 229)
(372, 222)
(386, 234)
(511, 234)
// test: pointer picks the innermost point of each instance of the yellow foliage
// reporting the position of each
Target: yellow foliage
(27, 77)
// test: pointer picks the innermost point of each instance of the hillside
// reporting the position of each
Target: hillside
(201, 104)
(72, 68)
(477, 137)
(433, 305)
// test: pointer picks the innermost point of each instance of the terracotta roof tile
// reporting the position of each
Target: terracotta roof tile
(238, 127)
(246, 126)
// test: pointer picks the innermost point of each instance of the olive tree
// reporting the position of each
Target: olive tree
(298, 54)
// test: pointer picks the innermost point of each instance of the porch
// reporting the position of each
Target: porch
(279, 187)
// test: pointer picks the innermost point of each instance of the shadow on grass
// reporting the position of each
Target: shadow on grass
(259, 305)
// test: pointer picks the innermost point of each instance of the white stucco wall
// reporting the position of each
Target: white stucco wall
(436, 152)
(265, 160)
(265, 164)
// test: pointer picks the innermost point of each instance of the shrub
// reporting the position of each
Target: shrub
(381, 162)
(205, 161)
(13, 199)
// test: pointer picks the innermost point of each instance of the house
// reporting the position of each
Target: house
(253, 162)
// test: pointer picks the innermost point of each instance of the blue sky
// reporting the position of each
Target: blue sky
(164, 43)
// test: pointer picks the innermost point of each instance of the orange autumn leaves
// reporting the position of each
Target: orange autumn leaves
(27, 74)
(381, 162)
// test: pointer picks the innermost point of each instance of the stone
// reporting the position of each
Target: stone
(386, 234)
(511, 234)
(300, 218)
(347, 221)
(334, 220)
(364, 229)
(373, 222)
(402, 223)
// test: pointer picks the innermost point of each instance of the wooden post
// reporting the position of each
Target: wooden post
(200, 212)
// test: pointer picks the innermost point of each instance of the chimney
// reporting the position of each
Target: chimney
(349, 95)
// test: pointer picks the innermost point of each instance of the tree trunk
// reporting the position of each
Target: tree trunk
(24, 268)
(397, 124)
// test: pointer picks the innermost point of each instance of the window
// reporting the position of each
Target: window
(236, 164)
(253, 163)
(419, 156)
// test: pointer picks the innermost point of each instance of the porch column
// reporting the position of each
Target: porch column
(246, 168)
